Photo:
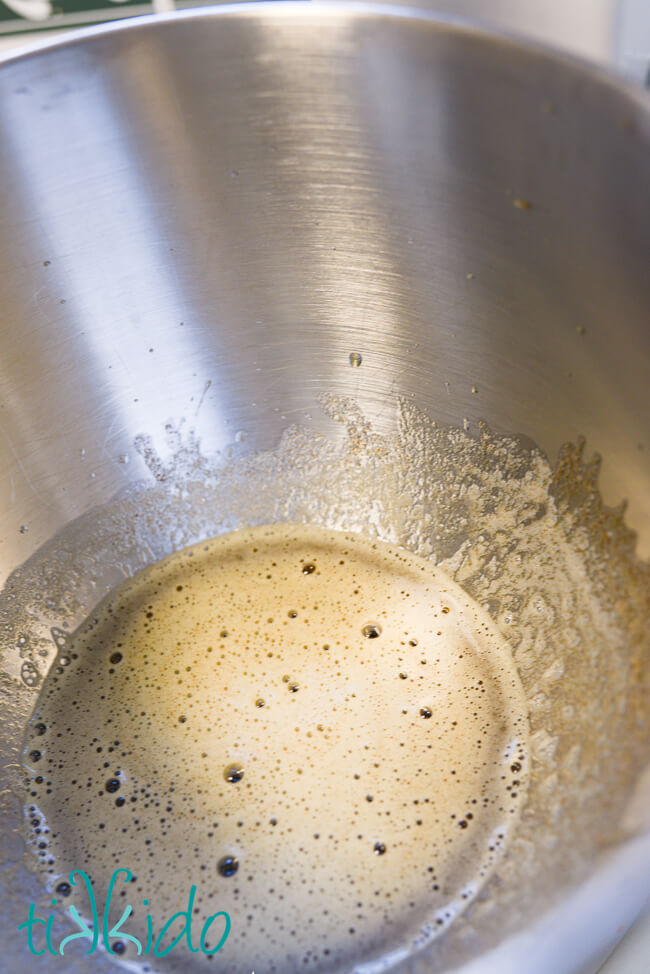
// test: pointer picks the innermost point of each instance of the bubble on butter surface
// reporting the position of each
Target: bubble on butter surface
(358, 810)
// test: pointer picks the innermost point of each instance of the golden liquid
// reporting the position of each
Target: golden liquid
(369, 715)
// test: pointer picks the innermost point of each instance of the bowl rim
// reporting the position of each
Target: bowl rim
(597, 910)
(594, 71)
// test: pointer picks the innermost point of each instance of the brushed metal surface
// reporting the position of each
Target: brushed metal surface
(294, 183)
(201, 217)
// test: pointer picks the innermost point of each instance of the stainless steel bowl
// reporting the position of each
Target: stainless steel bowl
(202, 215)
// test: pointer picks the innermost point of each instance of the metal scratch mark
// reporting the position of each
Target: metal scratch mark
(203, 395)
(21, 467)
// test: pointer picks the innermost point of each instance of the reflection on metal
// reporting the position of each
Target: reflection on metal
(294, 184)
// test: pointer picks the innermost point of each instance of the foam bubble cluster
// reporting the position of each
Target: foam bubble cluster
(324, 734)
